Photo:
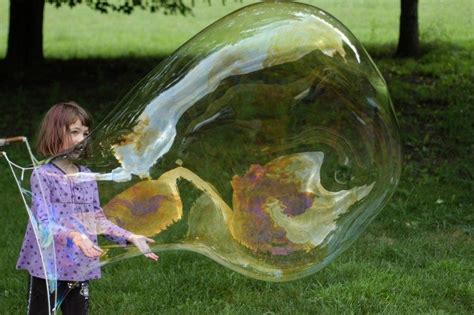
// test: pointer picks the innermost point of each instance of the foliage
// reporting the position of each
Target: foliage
(127, 6)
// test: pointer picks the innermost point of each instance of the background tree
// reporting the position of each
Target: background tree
(408, 39)
(25, 35)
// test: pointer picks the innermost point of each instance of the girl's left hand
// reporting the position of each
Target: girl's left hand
(141, 242)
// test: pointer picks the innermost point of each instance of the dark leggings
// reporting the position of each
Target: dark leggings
(73, 297)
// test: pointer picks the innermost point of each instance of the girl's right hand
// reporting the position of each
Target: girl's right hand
(86, 245)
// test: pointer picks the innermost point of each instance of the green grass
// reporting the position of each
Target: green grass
(83, 33)
(416, 257)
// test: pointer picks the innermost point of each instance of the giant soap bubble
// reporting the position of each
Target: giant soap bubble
(267, 142)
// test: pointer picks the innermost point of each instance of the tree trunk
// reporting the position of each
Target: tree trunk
(408, 42)
(25, 35)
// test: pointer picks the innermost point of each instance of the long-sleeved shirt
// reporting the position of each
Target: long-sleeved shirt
(59, 206)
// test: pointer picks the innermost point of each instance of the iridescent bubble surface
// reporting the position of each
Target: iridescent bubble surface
(267, 142)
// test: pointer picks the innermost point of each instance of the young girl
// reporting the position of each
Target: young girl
(73, 214)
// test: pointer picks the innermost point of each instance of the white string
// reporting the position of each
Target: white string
(11, 164)
(16, 165)
(21, 168)
(32, 156)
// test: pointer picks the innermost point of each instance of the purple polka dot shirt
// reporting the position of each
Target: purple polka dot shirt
(65, 206)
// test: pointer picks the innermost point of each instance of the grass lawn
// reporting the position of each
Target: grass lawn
(416, 257)
(83, 33)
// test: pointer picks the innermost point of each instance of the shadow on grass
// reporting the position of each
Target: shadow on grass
(430, 48)
(99, 84)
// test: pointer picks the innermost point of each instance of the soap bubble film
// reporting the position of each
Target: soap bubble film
(267, 142)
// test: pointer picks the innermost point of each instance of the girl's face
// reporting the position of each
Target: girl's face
(75, 134)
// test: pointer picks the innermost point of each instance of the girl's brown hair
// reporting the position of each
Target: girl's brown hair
(53, 134)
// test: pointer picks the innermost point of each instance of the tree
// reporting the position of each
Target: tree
(25, 35)
(408, 40)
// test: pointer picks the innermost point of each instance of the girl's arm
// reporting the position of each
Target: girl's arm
(104, 226)
(117, 234)
(42, 209)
